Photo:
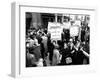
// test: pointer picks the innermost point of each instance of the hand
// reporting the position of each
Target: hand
(81, 48)
(72, 51)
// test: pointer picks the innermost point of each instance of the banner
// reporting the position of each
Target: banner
(74, 31)
(66, 25)
(77, 23)
(55, 29)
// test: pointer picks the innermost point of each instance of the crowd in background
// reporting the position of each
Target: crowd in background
(41, 50)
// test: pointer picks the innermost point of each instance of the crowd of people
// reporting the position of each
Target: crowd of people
(41, 50)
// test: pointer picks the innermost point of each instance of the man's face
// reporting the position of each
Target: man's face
(34, 36)
(66, 20)
(65, 46)
(54, 43)
(71, 41)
